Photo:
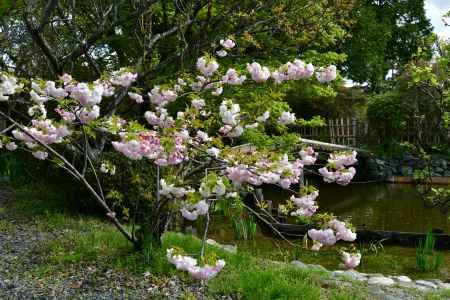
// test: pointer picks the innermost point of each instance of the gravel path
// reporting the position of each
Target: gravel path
(23, 274)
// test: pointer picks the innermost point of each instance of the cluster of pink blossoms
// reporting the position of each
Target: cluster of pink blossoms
(336, 231)
(192, 211)
(123, 78)
(342, 159)
(281, 172)
(306, 205)
(160, 97)
(286, 118)
(232, 77)
(43, 131)
(8, 86)
(148, 144)
(171, 191)
(295, 70)
(258, 73)
(308, 156)
(326, 74)
(160, 118)
(207, 66)
(338, 162)
(229, 113)
(351, 260)
(189, 264)
(227, 44)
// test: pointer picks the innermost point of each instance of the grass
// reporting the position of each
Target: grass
(390, 260)
(86, 241)
(247, 277)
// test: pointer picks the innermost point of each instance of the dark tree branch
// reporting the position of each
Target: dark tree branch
(42, 43)
(47, 11)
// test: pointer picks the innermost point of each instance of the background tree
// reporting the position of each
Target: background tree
(385, 36)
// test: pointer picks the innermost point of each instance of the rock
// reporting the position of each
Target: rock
(445, 286)
(402, 278)
(436, 281)
(407, 171)
(318, 267)
(337, 273)
(228, 248)
(409, 285)
(299, 264)
(355, 275)
(381, 280)
(426, 283)
(375, 275)
(438, 170)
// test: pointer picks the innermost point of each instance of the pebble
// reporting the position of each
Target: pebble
(355, 275)
(402, 278)
(228, 248)
(426, 283)
(381, 280)
(299, 264)
(444, 285)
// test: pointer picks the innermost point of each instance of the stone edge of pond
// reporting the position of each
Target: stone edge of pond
(372, 279)
(376, 279)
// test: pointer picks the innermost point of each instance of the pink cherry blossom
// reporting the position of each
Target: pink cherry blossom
(88, 114)
(66, 78)
(221, 53)
(324, 236)
(198, 103)
(286, 118)
(308, 156)
(351, 261)
(11, 146)
(192, 211)
(207, 68)
(326, 74)
(343, 159)
(231, 77)
(86, 95)
(162, 97)
(123, 78)
(8, 86)
(259, 74)
(42, 155)
(227, 44)
(51, 90)
(136, 97)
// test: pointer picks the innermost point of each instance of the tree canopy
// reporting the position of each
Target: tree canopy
(385, 36)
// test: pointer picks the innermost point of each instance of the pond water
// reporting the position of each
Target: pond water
(396, 207)
(392, 207)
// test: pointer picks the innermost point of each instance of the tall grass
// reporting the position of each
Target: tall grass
(427, 258)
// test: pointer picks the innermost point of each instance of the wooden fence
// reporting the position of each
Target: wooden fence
(342, 131)
(353, 132)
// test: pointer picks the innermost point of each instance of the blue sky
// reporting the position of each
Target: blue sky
(435, 9)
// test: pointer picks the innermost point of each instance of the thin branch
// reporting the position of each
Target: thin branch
(78, 176)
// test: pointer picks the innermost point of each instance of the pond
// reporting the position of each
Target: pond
(391, 207)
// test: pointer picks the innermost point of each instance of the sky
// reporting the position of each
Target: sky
(434, 10)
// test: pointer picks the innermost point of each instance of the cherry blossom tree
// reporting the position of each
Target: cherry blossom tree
(199, 159)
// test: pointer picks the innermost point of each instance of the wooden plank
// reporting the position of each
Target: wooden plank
(330, 146)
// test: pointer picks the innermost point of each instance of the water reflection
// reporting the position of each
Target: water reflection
(394, 207)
